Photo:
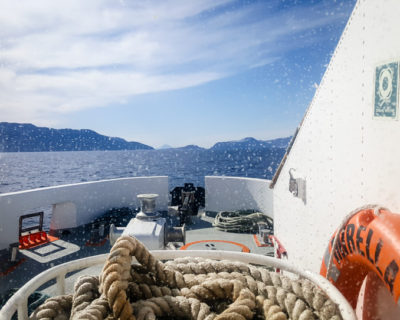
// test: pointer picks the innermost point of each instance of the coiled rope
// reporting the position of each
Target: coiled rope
(186, 288)
(241, 221)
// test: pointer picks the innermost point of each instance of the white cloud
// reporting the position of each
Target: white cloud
(63, 56)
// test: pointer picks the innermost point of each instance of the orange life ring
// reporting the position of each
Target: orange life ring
(368, 242)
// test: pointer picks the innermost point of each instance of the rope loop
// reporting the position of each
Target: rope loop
(186, 288)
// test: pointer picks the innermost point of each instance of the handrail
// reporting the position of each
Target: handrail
(18, 302)
(70, 208)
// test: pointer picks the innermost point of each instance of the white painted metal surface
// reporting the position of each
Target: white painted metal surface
(64, 215)
(151, 232)
(347, 157)
(234, 193)
(51, 251)
(18, 302)
(77, 204)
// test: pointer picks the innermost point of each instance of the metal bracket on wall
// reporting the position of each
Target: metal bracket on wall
(297, 185)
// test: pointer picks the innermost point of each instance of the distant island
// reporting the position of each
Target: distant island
(165, 146)
(191, 147)
(252, 144)
(246, 143)
(18, 137)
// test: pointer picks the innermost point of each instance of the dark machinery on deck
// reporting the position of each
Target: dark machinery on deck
(188, 199)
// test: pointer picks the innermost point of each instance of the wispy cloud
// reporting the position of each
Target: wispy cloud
(64, 56)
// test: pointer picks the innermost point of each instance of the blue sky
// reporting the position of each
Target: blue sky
(166, 72)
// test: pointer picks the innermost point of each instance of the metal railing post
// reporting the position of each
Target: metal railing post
(23, 310)
(61, 284)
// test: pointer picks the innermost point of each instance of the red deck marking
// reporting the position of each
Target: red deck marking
(258, 244)
(96, 244)
(12, 268)
(244, 248)
(34, 240)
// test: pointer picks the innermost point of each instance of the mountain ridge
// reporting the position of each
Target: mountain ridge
(26, 137)
(252, 143)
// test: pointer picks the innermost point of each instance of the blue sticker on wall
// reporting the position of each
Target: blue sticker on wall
(386, 91)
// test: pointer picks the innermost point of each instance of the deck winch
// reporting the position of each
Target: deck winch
(188, 199)
(149, 226)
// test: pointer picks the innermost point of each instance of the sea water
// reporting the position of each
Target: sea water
(29, 170)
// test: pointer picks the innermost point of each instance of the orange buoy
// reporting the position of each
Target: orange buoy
(368, 243)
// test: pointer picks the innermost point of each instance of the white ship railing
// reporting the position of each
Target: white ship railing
(76, 204)
(238, 193)
(19, 301)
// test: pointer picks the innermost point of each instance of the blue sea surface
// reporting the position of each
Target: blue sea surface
(29, 170)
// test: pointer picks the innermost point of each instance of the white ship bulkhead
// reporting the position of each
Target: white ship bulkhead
(77, 204)
(347, 148)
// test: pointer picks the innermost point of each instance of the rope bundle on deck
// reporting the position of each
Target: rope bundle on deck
(241, 221)
(186, 288)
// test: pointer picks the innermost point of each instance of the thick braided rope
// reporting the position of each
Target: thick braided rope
(186, 288)
(117, 272)
(286, 300)
(215, 288)
(212, 289)
(98, 309)
(141, 291)
(171, 274)
(142, 278)
(256, 287)
(204, 266)
(303, 289)
(115, 277)
(176, 307)
(86, 289)
(242, 308)
(268, 309)
(56, 307)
